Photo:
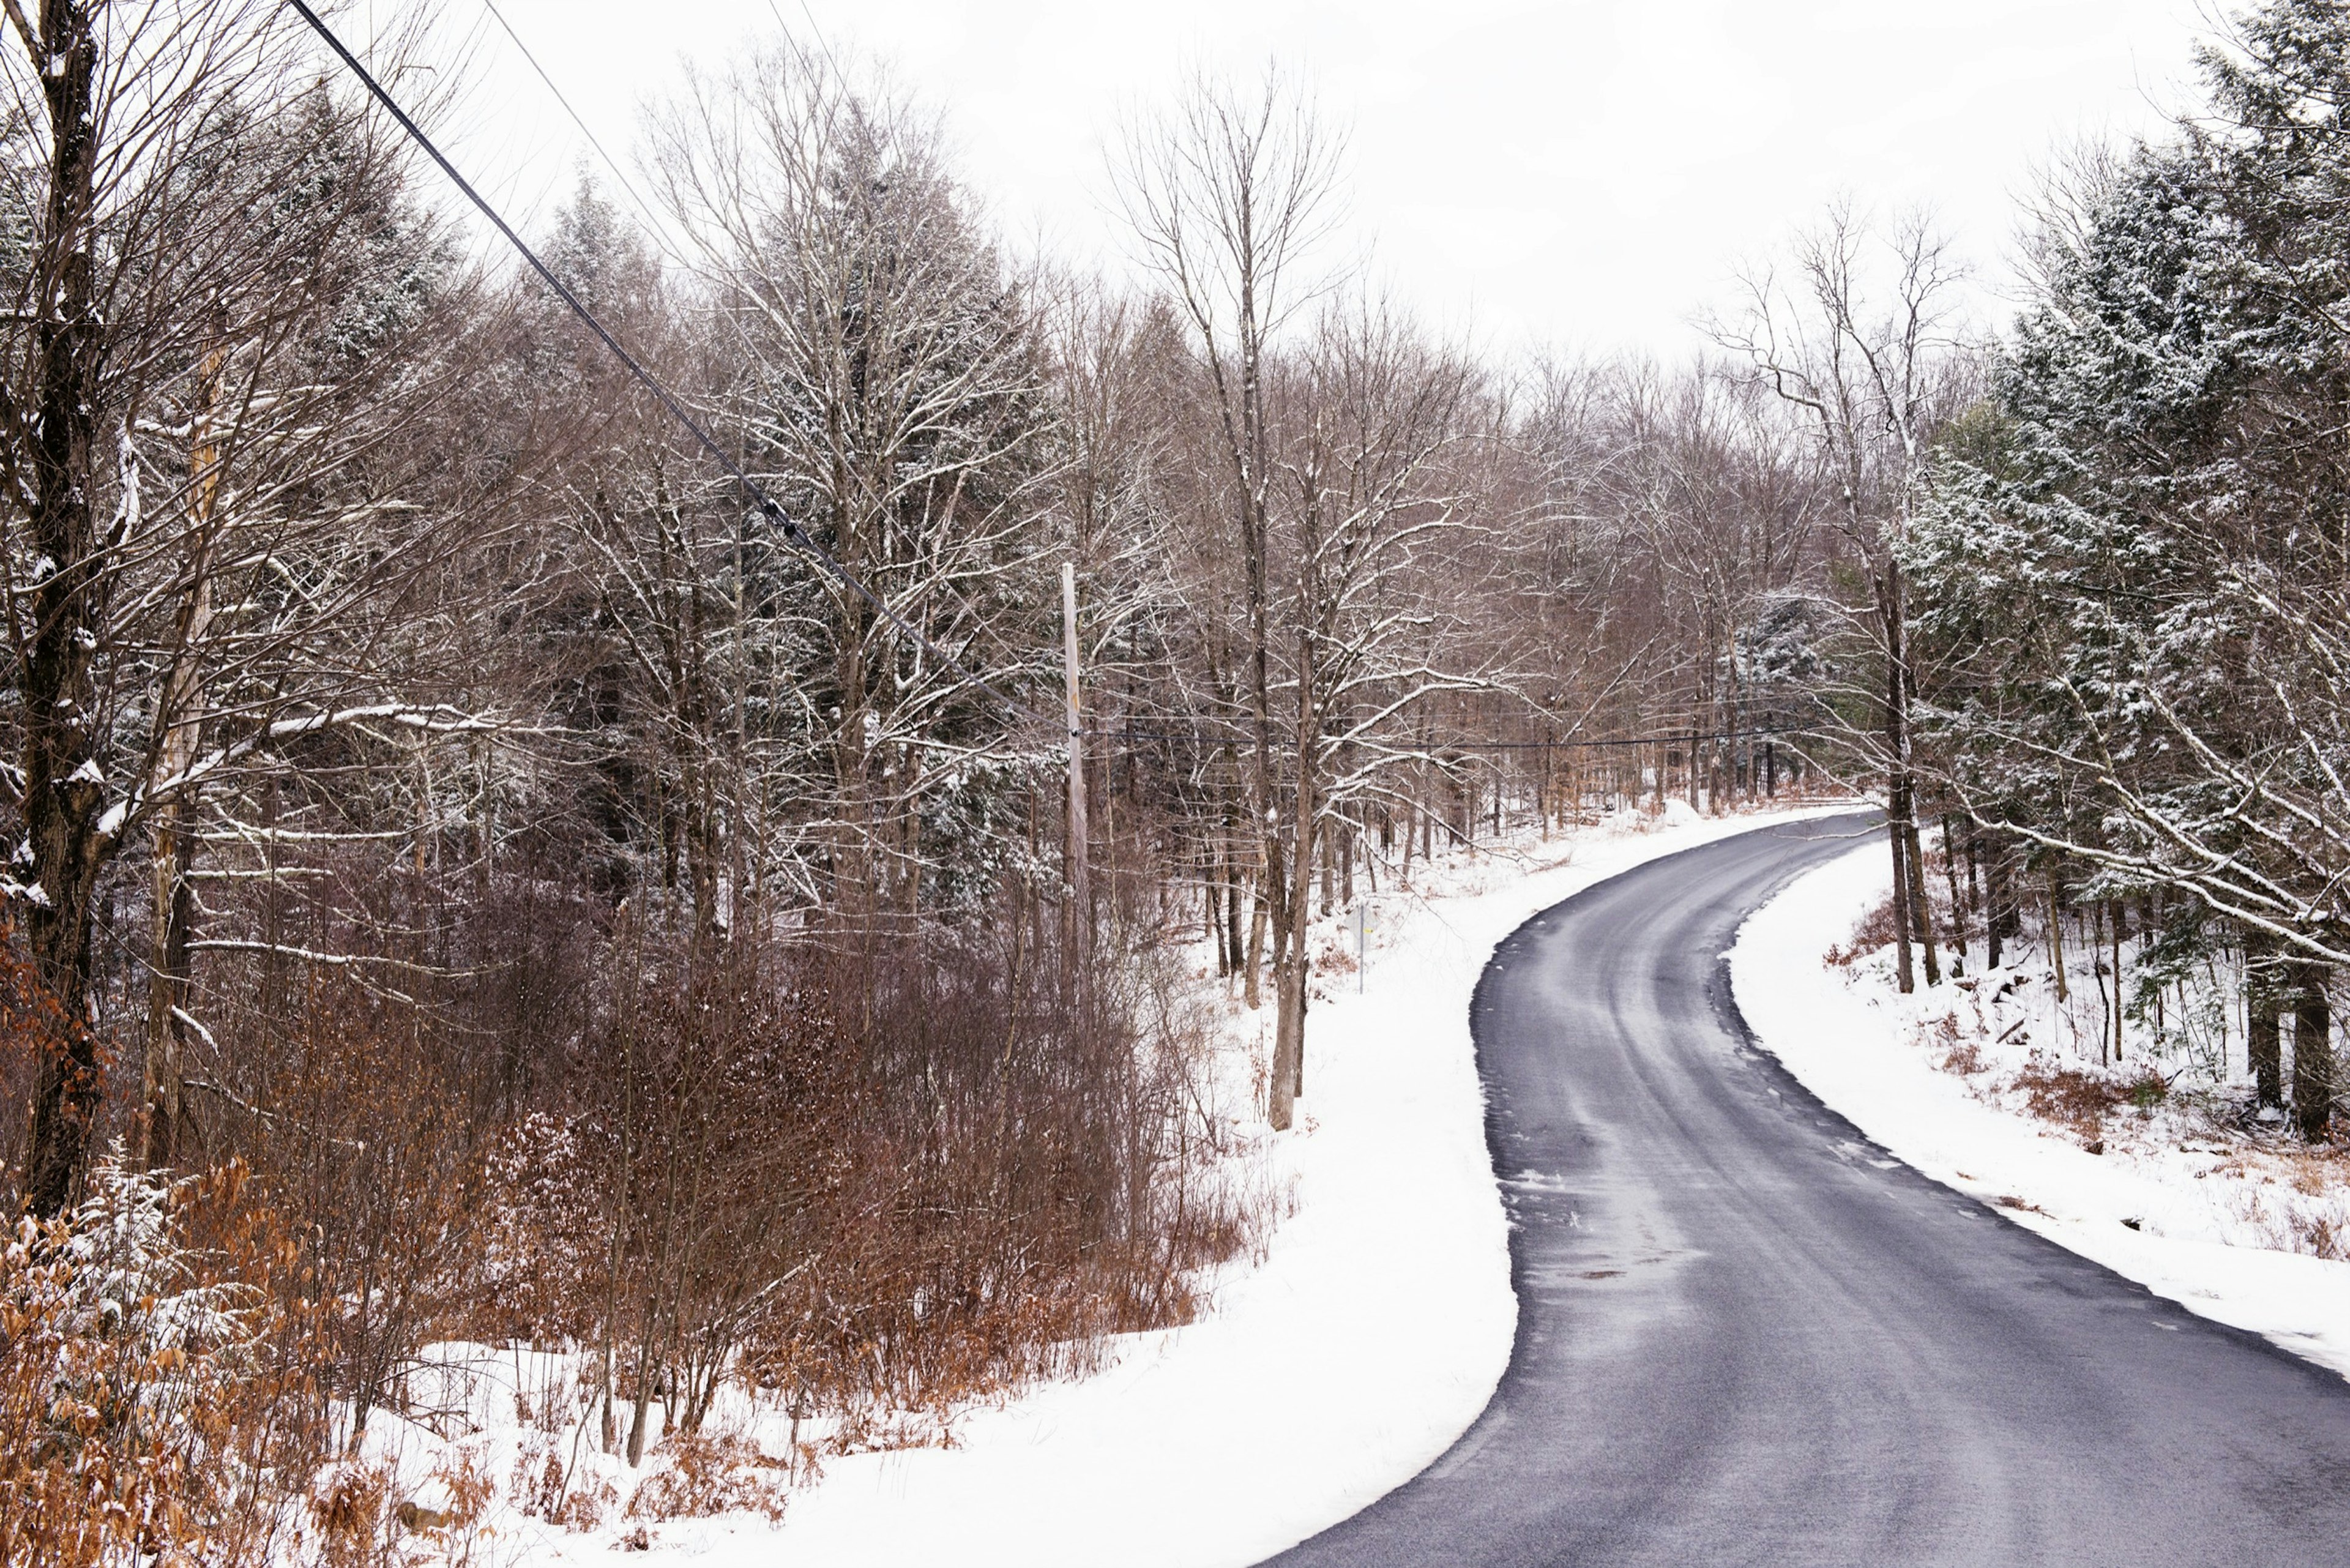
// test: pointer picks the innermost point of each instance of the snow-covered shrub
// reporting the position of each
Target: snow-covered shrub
(144, 1410)
(698, 1477)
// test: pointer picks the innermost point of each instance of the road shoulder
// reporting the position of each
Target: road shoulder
(1369, 1338)
(1874, 1064)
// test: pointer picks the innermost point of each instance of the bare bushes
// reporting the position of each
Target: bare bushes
(730, 1188)
(1879, 929)
(702, 1154)
(1013, 1190)
(863, 1179)
(1875, 933)
(154, 1393)
(2069, 1097)
(375, 1163)
(710, 1476)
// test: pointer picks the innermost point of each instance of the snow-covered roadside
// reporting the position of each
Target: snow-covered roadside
(1370, 1337)
(2181, 1215)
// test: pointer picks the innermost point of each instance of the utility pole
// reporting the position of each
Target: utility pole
(1080, 893)
(1362, 944)
(171, 910)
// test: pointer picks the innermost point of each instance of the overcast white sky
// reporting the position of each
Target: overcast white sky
(1582, 173)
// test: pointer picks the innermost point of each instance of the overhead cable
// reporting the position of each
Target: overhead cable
(1456, 742)
(643, 208)
(767, 505)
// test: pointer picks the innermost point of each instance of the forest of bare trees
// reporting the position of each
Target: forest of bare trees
(485, 871)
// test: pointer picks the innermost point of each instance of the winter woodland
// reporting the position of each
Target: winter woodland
(486, 872)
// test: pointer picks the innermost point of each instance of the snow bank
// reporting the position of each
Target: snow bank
(2152, 1209)
(1370, 1337)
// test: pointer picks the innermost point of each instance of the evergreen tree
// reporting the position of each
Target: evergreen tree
(2134, 563)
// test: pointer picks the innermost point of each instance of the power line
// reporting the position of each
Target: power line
(1463, 742)
(768, 507)
(644, 208)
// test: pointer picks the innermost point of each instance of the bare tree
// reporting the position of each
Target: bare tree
(1868, 352)
(890, 395)
(1229, 197)
(205, 529)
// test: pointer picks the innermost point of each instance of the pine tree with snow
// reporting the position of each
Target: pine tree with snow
(2135, 562)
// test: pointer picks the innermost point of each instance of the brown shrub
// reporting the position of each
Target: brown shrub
(1958, 1055)
(1060, 1197)
(2068, 1096)
(351, 1506)
(1876, 932)
(871, 1175)
(869, 1178)
(154, 1401)
(708, 1476)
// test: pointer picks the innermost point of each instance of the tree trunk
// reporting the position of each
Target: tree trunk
(1233, 939)
(2006, 916)
(2312, 1054)
(1958, 904)
(2118, 1005)
(1899, 792)
(2056, 933)
(1904, 961)
(2097, 973)
(1288, 1033)
(2263, 1008)
(1329, 858)
(1250, 992)
(1081, 906)
(173, 901)
(1229, 849)
(1922, 907)
(62, 794)
(1292, 898)
(163, 1113)
(1286, 938)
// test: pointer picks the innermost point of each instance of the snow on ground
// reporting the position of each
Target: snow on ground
(1369, 1340)
(2174, 1188)
(1369, 1337)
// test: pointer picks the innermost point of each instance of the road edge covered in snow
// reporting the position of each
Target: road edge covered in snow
(1371, 1336)
(1844, 1051)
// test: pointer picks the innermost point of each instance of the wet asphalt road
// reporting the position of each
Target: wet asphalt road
(1747, 1335)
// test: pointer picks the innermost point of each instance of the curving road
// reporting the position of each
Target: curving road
(1747, 1335)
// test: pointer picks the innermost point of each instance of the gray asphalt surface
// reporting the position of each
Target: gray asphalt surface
(1748, 1335)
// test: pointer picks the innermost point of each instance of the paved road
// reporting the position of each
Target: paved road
(1747, 1335)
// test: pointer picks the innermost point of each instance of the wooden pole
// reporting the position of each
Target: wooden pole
(171, 912)
(1080, 889)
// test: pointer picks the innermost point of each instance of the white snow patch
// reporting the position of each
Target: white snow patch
(2191, 1236)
